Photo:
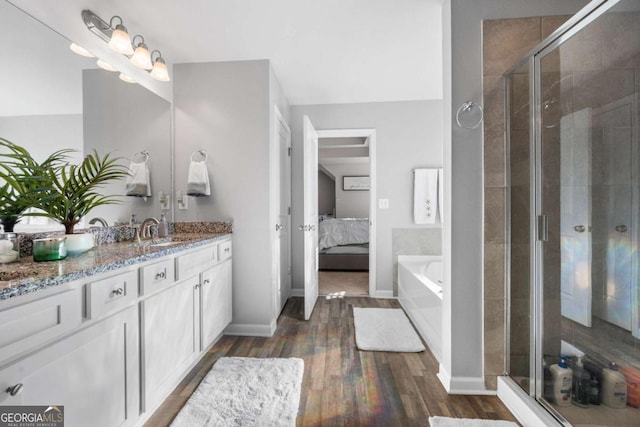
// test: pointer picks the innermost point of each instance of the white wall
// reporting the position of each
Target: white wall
(408, 135)
(44, 134)
(350, 204)
(223, 108)
(124, 119)
(462, 21)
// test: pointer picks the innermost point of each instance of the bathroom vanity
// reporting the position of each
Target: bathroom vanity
(112, 332)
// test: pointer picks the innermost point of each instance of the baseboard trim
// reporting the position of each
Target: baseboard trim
(384, 294)
(522, 406)
(463, 385)
(251, 330)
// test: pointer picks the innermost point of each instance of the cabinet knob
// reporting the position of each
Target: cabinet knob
(206, 281)
(197, 286)
(118, 291)
(621, 228)
(160, 275)
(15, 389)
(226, 250)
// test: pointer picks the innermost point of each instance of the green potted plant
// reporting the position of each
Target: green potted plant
(73, 192)
(22, 180)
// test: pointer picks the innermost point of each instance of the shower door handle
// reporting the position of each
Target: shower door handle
(543, 228)
(621, 228)
(579, 228)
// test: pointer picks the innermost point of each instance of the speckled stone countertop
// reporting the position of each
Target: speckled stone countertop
(26, 275)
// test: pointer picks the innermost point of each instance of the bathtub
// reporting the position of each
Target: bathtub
(420, 294)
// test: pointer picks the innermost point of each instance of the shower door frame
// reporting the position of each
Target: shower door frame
(538, 220)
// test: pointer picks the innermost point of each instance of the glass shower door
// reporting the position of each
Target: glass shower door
(587, 198)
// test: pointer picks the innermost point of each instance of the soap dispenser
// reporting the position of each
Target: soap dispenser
(581, 392)
(614, 387)
(561, 378)
(163, 227)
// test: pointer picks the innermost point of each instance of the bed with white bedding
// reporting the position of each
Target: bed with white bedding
(344, 244)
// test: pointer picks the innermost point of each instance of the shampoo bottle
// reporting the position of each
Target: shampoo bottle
(561, 378)
(614, 387)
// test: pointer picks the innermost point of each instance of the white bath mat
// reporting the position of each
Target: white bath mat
(385, 329)
(468, 422)
(244, 391)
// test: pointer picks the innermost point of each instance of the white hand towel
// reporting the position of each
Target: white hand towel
(139, 180)
(425, 196)
(198, 179)
(441, 195)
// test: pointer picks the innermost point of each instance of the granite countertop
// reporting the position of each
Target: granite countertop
(26, 275)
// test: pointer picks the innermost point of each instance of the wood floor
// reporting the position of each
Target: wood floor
(343, 386)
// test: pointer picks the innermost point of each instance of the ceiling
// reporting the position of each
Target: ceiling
(329, 51)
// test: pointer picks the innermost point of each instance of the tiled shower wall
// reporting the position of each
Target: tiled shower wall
(505, 42)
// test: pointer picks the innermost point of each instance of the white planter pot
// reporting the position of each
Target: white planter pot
(78, 244)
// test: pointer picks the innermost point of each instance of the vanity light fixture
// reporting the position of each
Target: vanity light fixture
(118, 39)
(159, 71)
(80, 50)
(126, 78)
(141, 57)
(106, 66)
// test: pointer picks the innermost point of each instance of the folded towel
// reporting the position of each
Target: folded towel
(198, 179)
(425, 196)
(138, 182)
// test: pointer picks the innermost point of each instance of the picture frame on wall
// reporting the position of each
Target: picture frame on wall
(355, 183)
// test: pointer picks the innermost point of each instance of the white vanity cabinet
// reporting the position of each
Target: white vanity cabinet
(170, 338)
(93, 373)
(111, 347)
(216, 303)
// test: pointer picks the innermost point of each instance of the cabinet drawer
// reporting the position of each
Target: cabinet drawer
(109, 295)
(224, 250)
(193, 263)
(156, 276)
(26, 326)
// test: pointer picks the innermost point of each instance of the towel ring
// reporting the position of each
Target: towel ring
(143, 153)
(467, 107)
(203, 153)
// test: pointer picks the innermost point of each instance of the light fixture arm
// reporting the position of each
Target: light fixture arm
(97, 25)
(115, 17)
(159, 56)
(133, 41)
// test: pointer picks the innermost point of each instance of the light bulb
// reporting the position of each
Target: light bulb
(120, 41)
(126, 78)
(106, 66)
(160, 71)
(80, 50)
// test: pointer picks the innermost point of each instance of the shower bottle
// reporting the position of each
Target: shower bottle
(562, 380)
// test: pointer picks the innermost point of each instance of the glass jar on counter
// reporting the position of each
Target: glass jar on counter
(9, 248)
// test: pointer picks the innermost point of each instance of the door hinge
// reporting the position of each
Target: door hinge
(289, 210)
(289, 151)
(542, 228)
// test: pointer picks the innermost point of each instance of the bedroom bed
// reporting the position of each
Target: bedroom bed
(344, 244)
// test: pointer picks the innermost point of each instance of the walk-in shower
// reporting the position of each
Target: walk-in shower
(573, 161)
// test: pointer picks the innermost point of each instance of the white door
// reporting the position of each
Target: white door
(283, 236)
(575, 220)
(310, 226)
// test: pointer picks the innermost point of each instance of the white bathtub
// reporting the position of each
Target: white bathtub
(420, 294)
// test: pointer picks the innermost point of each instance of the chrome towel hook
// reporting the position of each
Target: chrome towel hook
(468, 109)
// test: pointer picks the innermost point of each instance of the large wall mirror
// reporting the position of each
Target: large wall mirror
(54, 99)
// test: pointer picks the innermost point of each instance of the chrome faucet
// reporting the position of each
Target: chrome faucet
(145, 229)
(102, 221)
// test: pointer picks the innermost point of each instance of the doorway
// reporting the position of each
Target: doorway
(345, 203)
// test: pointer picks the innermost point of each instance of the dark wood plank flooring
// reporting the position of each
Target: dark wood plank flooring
(342, 385)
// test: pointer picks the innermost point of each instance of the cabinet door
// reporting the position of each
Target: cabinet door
(170, 339)
(216, 302)
(92, 373)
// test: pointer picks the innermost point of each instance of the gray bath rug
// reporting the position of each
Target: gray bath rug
(468, 422)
